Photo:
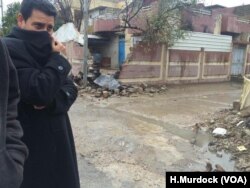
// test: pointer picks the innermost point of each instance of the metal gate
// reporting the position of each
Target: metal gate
(121, 51)
(238, 59)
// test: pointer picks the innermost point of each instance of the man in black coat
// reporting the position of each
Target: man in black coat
(12, 150)
(47, 93)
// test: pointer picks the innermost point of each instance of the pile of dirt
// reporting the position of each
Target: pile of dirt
(235, 139)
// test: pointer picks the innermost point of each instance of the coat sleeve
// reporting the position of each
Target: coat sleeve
(39, 85)
(14, 153)
(15, 147)
(64, 98)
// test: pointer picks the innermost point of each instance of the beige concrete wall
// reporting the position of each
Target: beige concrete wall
(178, 66)
(146, 65)
(112, 50)
(197, 66)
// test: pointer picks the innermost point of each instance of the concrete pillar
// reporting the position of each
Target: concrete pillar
(165, 62)
(245, 63)
(201, 64)
(128, 42)
(217, 27)
(230, 62)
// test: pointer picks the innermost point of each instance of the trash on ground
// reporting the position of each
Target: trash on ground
(240, 123)
(219, 131)
(241, 148)
(107, 81)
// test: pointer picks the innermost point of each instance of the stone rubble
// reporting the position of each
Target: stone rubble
(131, 90)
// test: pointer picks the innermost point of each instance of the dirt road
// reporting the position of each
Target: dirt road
(126, 142)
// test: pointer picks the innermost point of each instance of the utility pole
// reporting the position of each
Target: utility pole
(85, 47)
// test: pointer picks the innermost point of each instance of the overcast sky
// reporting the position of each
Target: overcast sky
(226, 3)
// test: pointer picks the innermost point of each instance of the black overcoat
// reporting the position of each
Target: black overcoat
(43, 80)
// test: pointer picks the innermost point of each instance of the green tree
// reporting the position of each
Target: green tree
(166, 26)
(159, 23)
(10, 17)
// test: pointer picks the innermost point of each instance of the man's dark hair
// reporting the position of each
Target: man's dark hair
(27, 6)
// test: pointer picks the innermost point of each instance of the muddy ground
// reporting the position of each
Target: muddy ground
(131, 141)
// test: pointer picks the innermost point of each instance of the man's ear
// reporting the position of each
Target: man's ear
(20, 20)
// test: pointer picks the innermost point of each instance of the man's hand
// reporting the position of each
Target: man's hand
(57, 46)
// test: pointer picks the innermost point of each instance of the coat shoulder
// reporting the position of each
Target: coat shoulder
(17, 50)
(13, 43)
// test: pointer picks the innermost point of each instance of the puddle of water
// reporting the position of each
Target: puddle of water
(222, 158)
(202, 140)
(225, 161)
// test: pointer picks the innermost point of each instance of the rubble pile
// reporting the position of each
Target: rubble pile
(132, 90)
(231, 134)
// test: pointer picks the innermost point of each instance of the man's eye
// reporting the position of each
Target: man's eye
(50, 28)
(38, 26)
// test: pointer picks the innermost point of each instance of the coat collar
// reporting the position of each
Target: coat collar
(38, 43)
(39, 38)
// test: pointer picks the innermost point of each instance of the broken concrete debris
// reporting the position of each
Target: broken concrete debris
(107, 86)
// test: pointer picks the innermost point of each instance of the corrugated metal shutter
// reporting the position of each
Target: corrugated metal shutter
(210, 42)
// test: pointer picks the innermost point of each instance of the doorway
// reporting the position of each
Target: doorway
(238, 60)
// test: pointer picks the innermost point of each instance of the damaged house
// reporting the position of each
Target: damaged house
(215, 47)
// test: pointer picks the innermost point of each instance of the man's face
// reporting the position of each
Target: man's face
(38, 21)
